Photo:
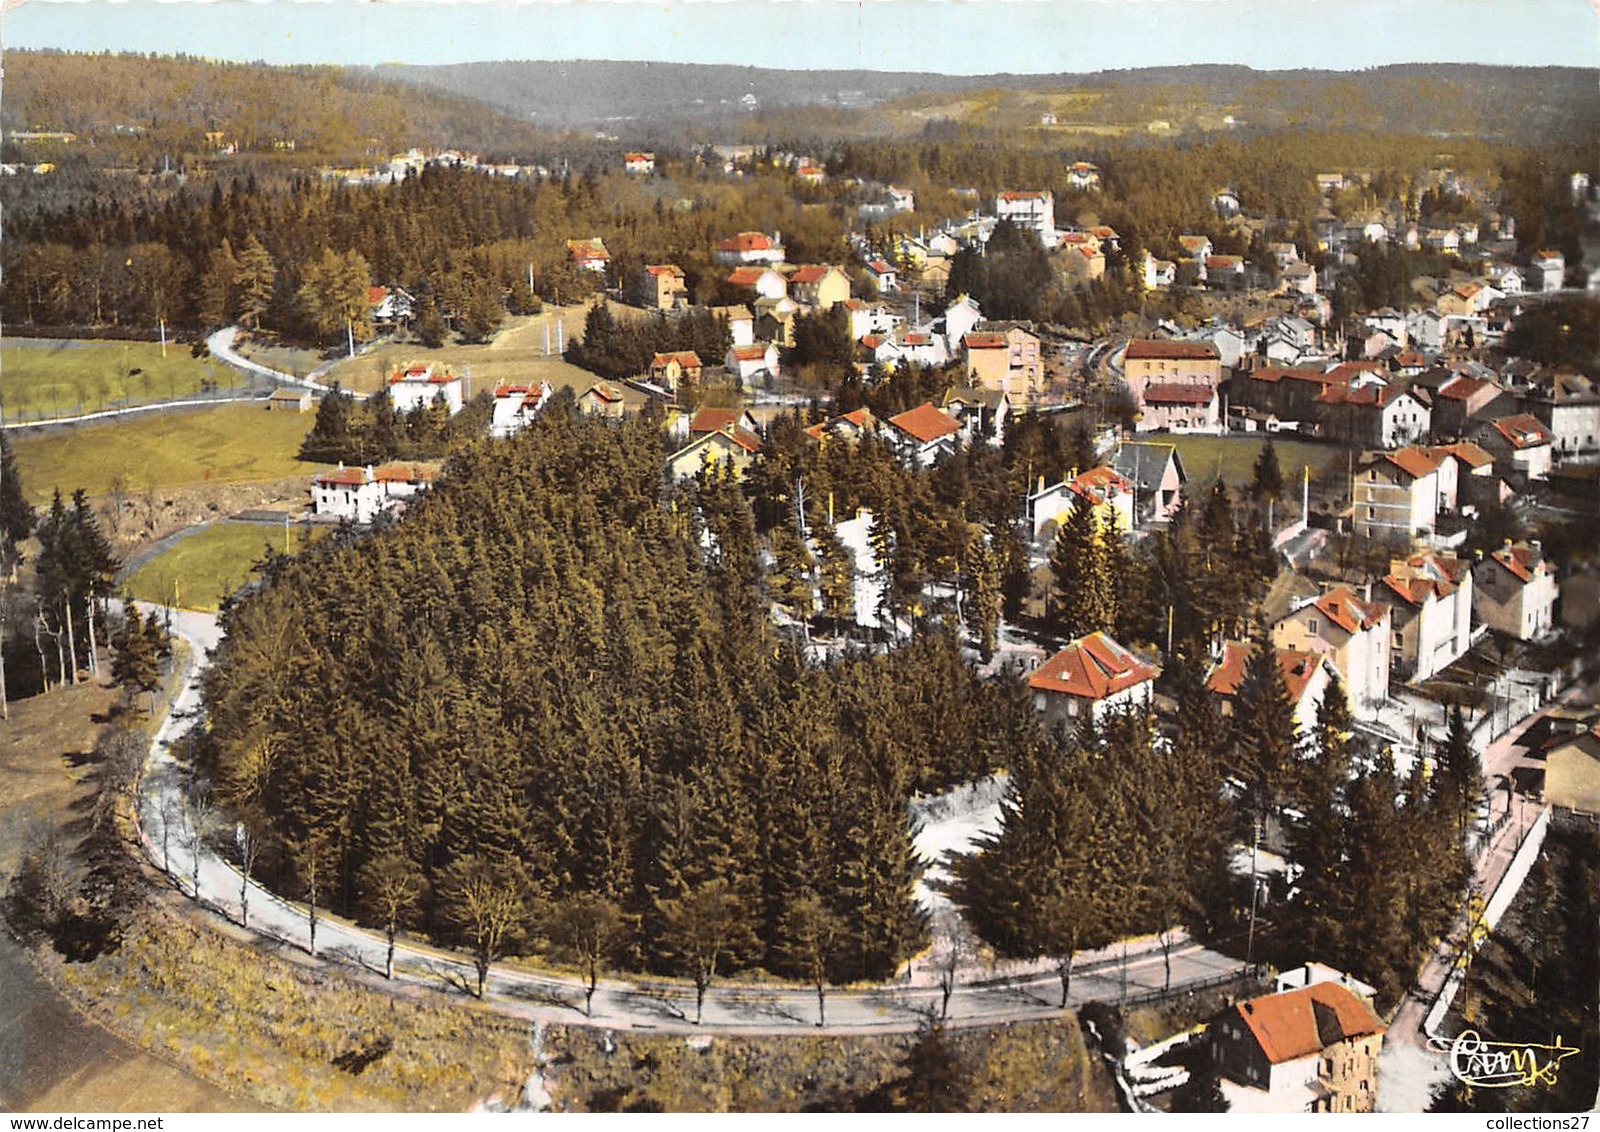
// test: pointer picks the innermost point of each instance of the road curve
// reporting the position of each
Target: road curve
(220, 343)
(982, 995)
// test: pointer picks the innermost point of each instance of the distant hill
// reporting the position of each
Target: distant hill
(1531, 104)
(145, 107)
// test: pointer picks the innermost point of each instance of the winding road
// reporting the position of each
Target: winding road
(982, 993)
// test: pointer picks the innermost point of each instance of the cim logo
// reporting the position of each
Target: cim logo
(1502, 1065)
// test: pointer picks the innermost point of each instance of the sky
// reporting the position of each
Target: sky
(949, 36)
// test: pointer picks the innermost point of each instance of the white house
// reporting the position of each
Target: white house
(1549, 268)
(1353, 634)
(750, 247)
(423, 384)
(515, 406)
(959, 318)
(749, 363)
(921, 435)
(358, 495)
(1516, 590)
(1430, 604)
(1035, 211)
(1311, 1049)
(883, 276)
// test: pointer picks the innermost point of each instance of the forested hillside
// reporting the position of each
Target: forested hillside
(555, 679)
(139, 109)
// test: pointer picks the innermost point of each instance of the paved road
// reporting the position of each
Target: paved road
(221, 346)
(984, 995)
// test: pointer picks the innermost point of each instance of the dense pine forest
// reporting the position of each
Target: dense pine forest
(559, 677)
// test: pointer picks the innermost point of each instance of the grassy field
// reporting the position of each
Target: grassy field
(228, 444)
(198, 571)
(44, 378)
(517, 354)
(1233, 458)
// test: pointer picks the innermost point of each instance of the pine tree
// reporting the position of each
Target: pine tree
(253, 280)
(1318, 840)
(1266, 477)
(332, 436)
(1084, 588)
(16, 514)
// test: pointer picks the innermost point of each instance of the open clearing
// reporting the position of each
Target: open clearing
(228, 444)
(1234, 458)
(517, 354)
(43, 378)
(201, 569)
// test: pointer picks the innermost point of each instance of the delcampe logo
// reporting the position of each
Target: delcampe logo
(1502, 1065)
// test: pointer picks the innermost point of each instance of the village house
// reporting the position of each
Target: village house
(1004, 359)
(751, 363)
(1225, 272)
(1092, 677)
(1457, 402)
(1226, 204)
(818, 286)
(1103, 489)
(1290, 393)
(1083, 176)
(982, 413)
(1515, 590)
(1299, 279)
(290, 400)
(1429, 597)
(1520, 442)
(602, 399)
(1398, 496)
(1372, 416)
(1568, 405)
(760, 282)
(1548, 269)
(1082, 264)
(515, 406)
(1311, 1049)
(732, 447)
(869, 318)
(421, 384)
(1035, 211)
(1156, 474)
(1353, 634)
(639, 163)
(1174, 384)
(661, 287)
(671, 369)
(961, 316)
(750, 247)
(1572, 773)
(883, 276)
(1506, 278)
(741, 323)
(920, 436)
(810, 173)
(359, 495)
(1307, 676)
(1195, 251)
(591, 255)
(775, 320)
(850, 427)
(1159, 274)
(390, 306)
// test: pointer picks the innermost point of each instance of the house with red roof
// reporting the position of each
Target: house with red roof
(421, 384)
(602, 399)
(1549, 269)
(661, 287)
(671, 369)
(751, 363)
(1372, 415)
(759, 282)
(1516, 590)
(515, 406)
(1398, 496)
(1307, 676)
(1175, 384)
(1082, 260)
(1520, 443)
(750, 247)
(1091, 677)
(732, 446)
(1035, 211)
(1353, 634)
(982, 413)
(818, 285)
(1104, 489)
(639, 164)
(1311, 1049)
(1006, 358)
(1458, 401)
(883, 276)
(850, 427)
(920, 436)
(590, 254)
(359, 495)
(1429, 596)
(390, 305)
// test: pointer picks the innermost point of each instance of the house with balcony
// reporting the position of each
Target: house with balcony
(1311, 1049)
